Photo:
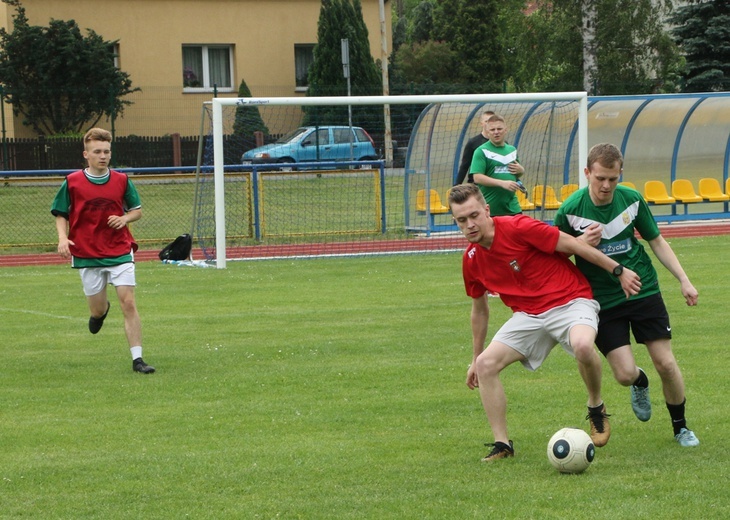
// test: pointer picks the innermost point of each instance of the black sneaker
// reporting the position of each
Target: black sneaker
(500, 450)
(138, 365)
(96, 323)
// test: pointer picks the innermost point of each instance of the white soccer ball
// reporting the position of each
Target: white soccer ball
(571, 450)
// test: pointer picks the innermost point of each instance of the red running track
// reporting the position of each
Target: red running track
(374, 247)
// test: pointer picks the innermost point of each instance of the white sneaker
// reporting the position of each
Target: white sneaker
(687, 438)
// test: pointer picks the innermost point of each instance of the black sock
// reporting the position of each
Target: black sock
(596, 410)
(641, 381)
(676, 412)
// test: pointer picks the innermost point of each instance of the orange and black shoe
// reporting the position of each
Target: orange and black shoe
(600, 427)
(500, 450)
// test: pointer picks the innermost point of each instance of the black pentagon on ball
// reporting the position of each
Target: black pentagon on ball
(561, 449)
(590, 452)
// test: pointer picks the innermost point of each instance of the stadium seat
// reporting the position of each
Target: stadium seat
(446, 199)
(566, 190)
(548, 193)
(710, 190)
(656, 192)
(525, 204)
(631, 185)
(435, 205)
(684, 192)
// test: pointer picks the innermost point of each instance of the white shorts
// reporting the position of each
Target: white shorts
(534, 336)
(94, 279)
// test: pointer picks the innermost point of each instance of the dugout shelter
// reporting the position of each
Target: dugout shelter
(678, 140)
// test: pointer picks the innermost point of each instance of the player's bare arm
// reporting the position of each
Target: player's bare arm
(63, 241)
(516, 168)
(485, 180)
(666, 256)
(479, 326)
(630, 282)
(119, 221)
(592, 235)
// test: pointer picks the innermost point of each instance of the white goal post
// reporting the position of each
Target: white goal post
(217, 124)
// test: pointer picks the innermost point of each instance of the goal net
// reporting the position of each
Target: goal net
(302, 177)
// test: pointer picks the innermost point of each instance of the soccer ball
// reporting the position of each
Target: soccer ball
(571, 450)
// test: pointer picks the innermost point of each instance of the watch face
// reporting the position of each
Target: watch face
(618, 270)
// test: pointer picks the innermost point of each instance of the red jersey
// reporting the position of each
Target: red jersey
(91, 206)
(523, 266)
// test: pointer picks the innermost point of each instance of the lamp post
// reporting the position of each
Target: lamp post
(386, 88)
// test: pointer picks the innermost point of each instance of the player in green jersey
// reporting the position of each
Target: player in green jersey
(496, 169)
(607, 216)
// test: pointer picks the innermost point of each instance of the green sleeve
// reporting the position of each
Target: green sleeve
(131, 197)
(645, 223)
(478, 162)
(62, 201)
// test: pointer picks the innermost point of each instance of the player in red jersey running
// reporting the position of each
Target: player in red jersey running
(93, 208)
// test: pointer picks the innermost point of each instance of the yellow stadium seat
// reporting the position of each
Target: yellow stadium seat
(631, 185)
(548, 193)
(435, 205)
(566, 190)
(727, 186)
(525, 204)
(656, 192)
(446, 199)
(710, 190)
(684, 192)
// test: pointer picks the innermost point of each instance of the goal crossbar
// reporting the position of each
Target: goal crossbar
(217, 126)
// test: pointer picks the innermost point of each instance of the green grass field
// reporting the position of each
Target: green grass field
(331, 389)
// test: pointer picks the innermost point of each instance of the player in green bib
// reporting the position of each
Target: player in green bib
(496, 169)
(608, 216)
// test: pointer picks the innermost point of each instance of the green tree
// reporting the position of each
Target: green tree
(545, 48)
(426, 62)
(59, 80)
(340, 19)
(608, 46)
(702, 31)
(423, 23)
(475, 34)
(248, 120)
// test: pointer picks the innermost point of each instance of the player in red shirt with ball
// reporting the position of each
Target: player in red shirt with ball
(527, 262)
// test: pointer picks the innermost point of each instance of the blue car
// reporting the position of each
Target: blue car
(307, 145)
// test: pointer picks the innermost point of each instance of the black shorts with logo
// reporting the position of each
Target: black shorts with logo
(647, 318)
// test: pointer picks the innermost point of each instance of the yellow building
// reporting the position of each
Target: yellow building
(176, 51)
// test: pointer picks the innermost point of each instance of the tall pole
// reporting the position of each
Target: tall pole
(345, 43)
(386, 88)
(2, 115)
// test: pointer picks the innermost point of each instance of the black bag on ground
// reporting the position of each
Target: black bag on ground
(178, 249)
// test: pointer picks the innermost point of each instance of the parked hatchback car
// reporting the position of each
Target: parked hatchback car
(310, 144)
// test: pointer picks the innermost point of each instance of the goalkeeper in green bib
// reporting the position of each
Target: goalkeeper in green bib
(496, 169)
(607, 216)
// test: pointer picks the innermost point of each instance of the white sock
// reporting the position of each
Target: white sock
(136, 352)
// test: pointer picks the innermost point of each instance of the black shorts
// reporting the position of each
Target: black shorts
(647, 318)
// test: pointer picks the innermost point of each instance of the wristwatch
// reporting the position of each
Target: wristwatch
(618, 270)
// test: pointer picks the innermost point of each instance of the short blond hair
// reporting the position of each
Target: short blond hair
(97, 134)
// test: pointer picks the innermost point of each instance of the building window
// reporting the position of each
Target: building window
(207, 66)
(303, 58)
(116, 55)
